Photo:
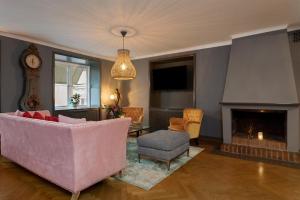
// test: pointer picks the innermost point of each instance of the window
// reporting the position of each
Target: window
(72, 76)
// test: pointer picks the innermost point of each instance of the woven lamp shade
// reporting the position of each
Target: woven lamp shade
(123, 68)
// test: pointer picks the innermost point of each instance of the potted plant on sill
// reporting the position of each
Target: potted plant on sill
(75, 99)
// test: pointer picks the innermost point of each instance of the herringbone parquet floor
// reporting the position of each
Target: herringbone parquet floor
(207, 177)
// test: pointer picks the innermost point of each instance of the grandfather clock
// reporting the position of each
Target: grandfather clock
(31, 63)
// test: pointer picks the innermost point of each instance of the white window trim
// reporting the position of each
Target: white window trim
(69, 86)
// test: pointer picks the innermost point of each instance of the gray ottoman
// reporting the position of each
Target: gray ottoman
(163, 145)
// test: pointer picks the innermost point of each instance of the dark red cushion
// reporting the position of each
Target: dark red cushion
(37, 115)
(51, 118)
(27, 114)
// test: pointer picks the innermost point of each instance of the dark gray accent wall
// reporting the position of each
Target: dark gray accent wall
(12, 76)
(211, 69)
(136, 92)
(260, 70)
(295, 53)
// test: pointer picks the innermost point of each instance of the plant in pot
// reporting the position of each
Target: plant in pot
(75, 99)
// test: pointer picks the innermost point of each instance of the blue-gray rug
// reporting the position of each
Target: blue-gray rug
(148, 173)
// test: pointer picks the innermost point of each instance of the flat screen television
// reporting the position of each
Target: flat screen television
(172, 78)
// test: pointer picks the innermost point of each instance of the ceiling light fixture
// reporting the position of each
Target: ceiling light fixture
(123, 69)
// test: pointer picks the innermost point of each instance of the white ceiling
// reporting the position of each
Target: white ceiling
(162, 25)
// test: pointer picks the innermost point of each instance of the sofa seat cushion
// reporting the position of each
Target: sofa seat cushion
(163, 140)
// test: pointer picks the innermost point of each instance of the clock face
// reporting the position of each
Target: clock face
(33, 61)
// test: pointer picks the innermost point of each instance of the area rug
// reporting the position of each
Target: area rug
(148, 173)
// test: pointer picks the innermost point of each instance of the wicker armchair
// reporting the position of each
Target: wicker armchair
(135, 113)
(190, 123)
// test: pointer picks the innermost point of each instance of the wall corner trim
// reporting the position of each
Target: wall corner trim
(53, 45)
(194, 48)
(259, 31)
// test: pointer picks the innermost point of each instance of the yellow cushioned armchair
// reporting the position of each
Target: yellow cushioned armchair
(135, 113)
(190, 123)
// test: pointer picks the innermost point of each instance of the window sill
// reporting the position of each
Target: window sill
(72, 108)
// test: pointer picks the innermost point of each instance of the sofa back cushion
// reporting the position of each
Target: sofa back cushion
(69, 120)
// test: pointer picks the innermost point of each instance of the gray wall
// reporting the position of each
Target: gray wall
(295, 53)
(260, 70)
(12, 76)
(211, 69)
(138, 89)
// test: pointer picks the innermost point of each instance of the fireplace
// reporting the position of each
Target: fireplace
(261, 105)
(259, 128)
(260, 124)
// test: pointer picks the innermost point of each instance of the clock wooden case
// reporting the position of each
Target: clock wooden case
(31, 63)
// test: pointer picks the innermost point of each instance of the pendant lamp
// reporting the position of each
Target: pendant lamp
(123, 68)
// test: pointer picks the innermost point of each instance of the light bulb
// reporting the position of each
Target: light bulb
(112, 97)
(260, 135)
(123, 66)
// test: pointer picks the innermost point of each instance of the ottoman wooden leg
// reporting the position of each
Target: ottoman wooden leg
(188, 152)
(169, 163)
(139, 158)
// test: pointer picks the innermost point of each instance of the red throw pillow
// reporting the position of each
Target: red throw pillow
(27, 114)
(37, 115)
(51, 118)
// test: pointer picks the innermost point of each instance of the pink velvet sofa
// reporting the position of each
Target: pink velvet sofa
(72, 156)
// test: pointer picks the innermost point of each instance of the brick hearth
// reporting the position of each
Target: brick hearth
(265, 143)
(272, 154)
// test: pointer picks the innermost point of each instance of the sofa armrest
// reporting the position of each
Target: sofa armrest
(193, 128)
(99, 150)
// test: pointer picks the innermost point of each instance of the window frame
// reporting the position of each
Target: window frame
(85, 66)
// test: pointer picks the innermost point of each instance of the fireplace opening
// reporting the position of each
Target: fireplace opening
(260, 124)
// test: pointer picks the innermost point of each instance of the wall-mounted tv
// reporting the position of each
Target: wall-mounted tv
(172, 78)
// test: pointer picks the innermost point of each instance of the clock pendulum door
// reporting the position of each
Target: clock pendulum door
(30, 99)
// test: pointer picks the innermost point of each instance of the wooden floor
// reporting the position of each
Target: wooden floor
(207, 176)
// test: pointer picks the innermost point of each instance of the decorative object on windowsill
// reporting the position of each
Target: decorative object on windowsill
(123, 69)
(31, 63)
(75, 99)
